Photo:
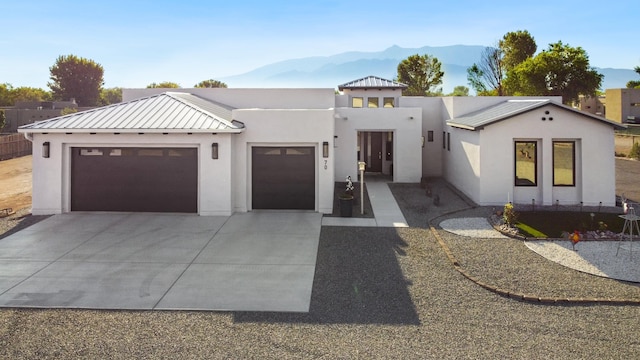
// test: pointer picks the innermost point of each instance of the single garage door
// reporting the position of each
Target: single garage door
(283, 178)
(134, 179)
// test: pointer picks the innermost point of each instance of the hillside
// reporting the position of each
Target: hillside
(330, 71)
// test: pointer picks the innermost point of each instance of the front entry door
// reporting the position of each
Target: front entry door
(374, 156)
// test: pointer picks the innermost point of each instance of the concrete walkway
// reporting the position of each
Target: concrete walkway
(258, 261)
(385, 209)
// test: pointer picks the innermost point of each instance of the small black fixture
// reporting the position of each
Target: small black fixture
(214, 150)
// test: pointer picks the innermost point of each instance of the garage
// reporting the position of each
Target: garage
(131, 179)
(283, 178)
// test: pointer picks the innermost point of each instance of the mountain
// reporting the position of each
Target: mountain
(331, 71)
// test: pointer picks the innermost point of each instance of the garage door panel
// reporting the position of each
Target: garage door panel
(283, 178)
(134, 179)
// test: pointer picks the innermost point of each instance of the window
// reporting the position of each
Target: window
(526, 163)
(564, 163)
(372, 102)
(356, 102)
(430, 136)
(448, 141)
(389, 102)
(444, 139)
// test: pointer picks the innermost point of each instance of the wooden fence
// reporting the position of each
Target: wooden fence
(14, 145)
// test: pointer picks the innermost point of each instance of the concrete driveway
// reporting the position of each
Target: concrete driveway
(259, 261)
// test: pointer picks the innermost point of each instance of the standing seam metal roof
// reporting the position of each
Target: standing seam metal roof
(161, 112)
(478, 119)
(372, 82)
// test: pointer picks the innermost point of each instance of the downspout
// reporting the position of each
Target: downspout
(28, 136)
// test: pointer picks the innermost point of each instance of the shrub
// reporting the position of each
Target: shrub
(635, 151)
(510, 215)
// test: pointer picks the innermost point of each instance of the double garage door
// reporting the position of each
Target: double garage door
(132, 179)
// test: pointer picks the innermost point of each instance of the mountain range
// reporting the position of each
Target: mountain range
(331, 71)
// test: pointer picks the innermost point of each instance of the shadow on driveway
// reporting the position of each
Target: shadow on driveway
(358, 280)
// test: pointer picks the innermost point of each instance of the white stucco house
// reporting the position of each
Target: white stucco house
(220, 151)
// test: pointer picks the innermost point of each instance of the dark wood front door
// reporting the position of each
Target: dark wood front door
(134, 179)
(283, 178)
(374, 163)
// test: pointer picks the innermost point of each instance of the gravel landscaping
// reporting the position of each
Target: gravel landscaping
(379, 293)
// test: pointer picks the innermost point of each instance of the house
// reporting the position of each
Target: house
(219, 151)
(27, 112)
(623, 105)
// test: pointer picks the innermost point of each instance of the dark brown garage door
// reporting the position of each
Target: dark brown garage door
(134, 179)
(283, 178)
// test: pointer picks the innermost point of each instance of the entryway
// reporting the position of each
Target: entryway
(375, 148)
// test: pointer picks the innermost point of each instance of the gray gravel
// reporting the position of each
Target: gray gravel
(379, 293)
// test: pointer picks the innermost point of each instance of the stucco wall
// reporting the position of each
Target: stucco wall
(284, 127)
(52, 176)
(406, 125)
(431, 121)
(595, 162)
(462, 165)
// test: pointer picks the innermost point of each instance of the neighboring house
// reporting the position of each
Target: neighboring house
(623, 105)
(595, 105)
(27, 112)
(220, 151)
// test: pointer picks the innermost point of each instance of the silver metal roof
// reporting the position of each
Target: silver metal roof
(481, 118)
(166, 112)
(372, 82)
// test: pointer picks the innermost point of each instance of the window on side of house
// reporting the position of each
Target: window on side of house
(430, 135)
(357, 102)
(389, 102)
(564, 163)
(448, 141)
(372, 102)
(444, 139)
(526, 163)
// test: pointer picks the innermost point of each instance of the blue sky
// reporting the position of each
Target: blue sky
(143, 41)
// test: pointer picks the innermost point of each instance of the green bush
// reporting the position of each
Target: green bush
(635, 151)
(509, 215)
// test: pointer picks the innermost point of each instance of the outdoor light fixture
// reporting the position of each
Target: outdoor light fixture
(214, 150)
(45, 149)
(325, 149)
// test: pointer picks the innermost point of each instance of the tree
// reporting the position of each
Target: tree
(516, 47)
(422, 74)
(2, 120)
(487, 76)
(77, 78)
(25, 93)
(5, 94)
(634, 83)
(460, 91)
(560, 70)
(210, 84)
(164, 85)
(68, 110)
(110, 96)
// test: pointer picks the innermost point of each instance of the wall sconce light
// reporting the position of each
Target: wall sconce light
(423, 141)
(45, 149)
(335, 141)
(214, 150)
(325, 149)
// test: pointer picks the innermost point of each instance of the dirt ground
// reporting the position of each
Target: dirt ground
(15, 181)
